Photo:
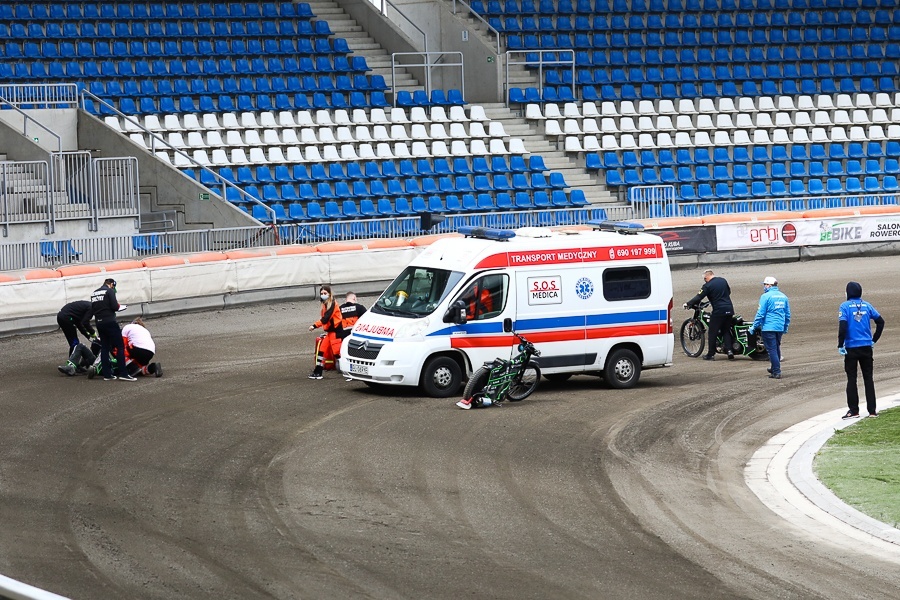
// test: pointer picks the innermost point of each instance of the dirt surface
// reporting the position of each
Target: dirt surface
(234, 476)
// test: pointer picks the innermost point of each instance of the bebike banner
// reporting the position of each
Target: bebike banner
(808, 232)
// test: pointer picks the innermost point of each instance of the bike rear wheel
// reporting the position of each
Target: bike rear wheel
(475, 386)
(693, 337)
(525, 382)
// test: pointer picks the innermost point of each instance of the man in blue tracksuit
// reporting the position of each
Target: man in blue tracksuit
(772, 320)
(855, 341)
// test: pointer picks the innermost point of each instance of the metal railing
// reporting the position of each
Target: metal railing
(478, 17)
(165, 220)
(5, 103)
(25, 194)
(157, 141)
(651, 200)
(432, 60)
(556, 62)
(95, 188)
(41, 95)
(50, 253)
(383, 6)
(116, 185)
(651, 204)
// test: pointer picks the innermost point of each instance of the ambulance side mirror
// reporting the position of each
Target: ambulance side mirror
(456, 313)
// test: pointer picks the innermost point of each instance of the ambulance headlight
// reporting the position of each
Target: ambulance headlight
(411, 330)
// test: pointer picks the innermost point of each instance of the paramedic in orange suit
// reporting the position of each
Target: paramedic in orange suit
(328, 344)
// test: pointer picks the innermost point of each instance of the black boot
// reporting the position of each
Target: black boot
(317, 373)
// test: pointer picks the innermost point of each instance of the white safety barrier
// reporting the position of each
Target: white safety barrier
(31, 299)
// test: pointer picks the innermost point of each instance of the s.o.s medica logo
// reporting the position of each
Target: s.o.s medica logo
(788, 233)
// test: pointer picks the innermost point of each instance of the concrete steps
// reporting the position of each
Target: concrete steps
(343, 25)
(555, 158)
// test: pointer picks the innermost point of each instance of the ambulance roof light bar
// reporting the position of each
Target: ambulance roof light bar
(623, 227)
(486, 233)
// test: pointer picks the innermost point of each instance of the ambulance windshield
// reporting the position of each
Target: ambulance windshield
(416, 292)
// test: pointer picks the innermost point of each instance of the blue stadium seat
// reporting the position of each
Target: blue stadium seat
(815, 187)
(778, 188)
(758, 189)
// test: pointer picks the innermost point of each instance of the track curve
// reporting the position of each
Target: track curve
(234, 476)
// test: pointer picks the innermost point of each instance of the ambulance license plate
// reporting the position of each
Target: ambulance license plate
(359, 368)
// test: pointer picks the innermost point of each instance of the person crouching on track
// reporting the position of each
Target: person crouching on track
(75, 317)
(139, 350)
(104, 306)
(328, 344)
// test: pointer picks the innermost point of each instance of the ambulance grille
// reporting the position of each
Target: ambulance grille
(363, 349)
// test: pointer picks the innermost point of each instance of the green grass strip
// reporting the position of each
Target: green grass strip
(861, 465)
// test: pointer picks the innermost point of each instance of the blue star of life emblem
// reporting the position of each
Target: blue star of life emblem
(584, 287)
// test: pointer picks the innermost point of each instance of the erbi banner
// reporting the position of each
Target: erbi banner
(809, 232)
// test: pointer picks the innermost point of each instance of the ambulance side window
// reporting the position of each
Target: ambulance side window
(485, 297)
(626, 283)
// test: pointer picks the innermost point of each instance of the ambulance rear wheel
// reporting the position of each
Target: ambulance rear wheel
(441, 377)
(623, 369)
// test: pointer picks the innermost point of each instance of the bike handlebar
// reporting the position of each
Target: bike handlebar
(528, 344)
(700, 306)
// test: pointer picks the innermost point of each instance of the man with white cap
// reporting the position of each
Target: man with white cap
(772, 320)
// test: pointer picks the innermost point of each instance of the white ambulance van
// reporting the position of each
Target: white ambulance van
(592, 301)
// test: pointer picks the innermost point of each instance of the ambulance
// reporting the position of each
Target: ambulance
(594, 301)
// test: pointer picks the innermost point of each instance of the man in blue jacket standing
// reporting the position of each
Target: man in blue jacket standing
(855, 341)
(772, 320)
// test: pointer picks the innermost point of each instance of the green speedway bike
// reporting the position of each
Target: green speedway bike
(495, 382)
(694, 334)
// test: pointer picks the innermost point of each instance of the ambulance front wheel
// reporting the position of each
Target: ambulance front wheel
(623, 369)
(441, 377)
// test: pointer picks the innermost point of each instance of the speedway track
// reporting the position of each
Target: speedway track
(234, 476)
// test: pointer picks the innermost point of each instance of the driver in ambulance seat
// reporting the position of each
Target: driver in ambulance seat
(479, 298)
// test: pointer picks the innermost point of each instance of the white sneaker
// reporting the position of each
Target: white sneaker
(464, 404)
(127, 378)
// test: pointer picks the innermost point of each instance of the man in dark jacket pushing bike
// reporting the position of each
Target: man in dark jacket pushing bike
(719, 294)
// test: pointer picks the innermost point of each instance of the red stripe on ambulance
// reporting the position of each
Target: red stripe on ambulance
(573, 335)
(571, 255)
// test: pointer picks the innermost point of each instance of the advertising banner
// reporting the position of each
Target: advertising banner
(808, 232)
(689, 240)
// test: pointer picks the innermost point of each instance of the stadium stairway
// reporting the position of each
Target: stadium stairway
(574, 172)
(556, 159)
(379, 59)
(343, 25)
